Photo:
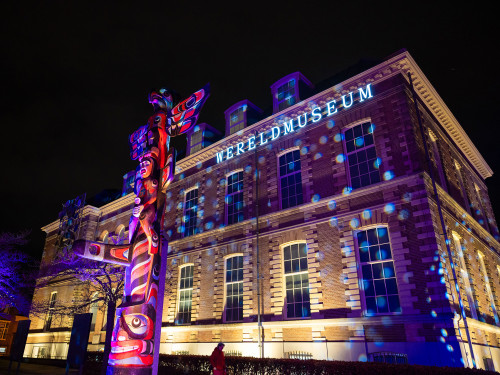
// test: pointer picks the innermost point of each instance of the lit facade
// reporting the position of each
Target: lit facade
(351, 254)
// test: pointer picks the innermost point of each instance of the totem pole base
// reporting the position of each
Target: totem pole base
(123, 370)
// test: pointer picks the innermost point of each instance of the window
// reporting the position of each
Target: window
(185, 295)
(237, 120)
(482, 268)
(286, 95)
(52, 303)
(296, 281)
(190, 212)
(290, 179)
(234, 289)
(361, 155)
(4, 327)
(378, 278)
(437, 160)
(460, 179)
(465, 276)
(234, 198)
(93, 310)
(196, 143)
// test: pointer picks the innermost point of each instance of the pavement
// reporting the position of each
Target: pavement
(32, 369)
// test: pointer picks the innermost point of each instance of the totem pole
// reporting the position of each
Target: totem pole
(136, 333)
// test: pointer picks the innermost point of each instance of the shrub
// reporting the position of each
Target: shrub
(200, 365)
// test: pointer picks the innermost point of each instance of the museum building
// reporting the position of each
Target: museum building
(317, 231)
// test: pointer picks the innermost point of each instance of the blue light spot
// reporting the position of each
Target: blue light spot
(330, 124)
(315, 198)
(367, 214)
(377, 163)
(340, 158)
(359, 141)
(333, 222)
(388, 175)
(403, 214)
(304, 150)
(323, 139)
(434, 314)
(354, 223)
(338, 137)
(389, 208)
(318, 155)
(332, 205)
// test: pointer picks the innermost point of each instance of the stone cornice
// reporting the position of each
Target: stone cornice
(399, 64)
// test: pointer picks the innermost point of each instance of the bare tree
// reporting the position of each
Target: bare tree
(104, 278)
(16, 271)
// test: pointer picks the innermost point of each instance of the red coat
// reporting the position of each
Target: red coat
(217, 359)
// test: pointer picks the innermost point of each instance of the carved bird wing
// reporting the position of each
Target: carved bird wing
(183, 116)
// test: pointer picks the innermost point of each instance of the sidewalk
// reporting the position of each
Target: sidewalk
(32, 369)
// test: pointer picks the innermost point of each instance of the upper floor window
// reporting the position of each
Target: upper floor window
(298, 303)
(190, 212)
(50, 313)
(378, 278)
(234, 198)
(93, 310)
(286, 95)
(185, 294)
(237, 120)
(436, 153)
(234, 289)
(290, 179)
(463, 188)
(196, 143)
(361, 155)
(4, 327)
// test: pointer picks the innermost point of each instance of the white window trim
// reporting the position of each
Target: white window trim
(225, 258)
(284, 275)
(178, 304)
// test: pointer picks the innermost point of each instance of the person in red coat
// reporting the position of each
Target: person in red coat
(217, 360)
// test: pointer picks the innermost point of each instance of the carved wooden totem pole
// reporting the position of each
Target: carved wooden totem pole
(137, 329)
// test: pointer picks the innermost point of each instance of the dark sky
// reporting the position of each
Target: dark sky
(75, 77)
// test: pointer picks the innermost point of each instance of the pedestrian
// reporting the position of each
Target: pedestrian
(217, 360)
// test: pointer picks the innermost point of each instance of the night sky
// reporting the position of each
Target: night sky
(75, 78)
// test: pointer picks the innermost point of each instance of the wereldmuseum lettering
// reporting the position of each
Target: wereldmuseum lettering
(331, 108)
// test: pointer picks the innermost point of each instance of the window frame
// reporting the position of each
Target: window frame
(48, 318)
(359, 267)
(185, 265)
(195, 231)
(224, 314)
(347, 154)
(199, 143)
(242, 122)
(294, 95)
(284, 276)
(280, 191)
(242, 191)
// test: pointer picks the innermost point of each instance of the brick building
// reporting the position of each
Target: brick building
(336, 189)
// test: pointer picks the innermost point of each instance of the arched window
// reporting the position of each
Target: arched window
(185, 294)
(93, 310)
(234, 197)
(234, 289)
(50, 313)
(378, 283)
(298, 303)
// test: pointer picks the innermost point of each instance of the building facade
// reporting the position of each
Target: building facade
(317, 232)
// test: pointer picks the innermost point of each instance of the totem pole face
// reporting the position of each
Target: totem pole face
(133, 337)
(146, 167)
(161, 98)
